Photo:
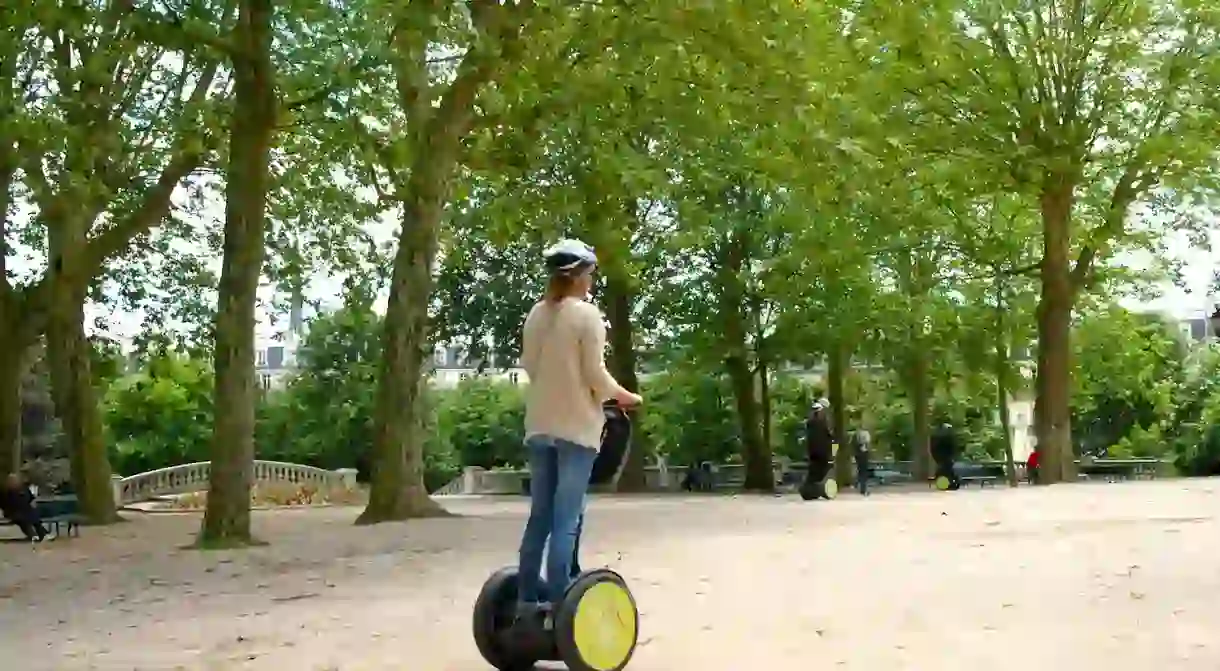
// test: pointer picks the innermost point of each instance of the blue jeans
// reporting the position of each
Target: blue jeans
(559, 481)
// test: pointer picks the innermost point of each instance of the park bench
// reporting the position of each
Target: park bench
(982, 474)
(59, 514)
(1117, 470)
(883, 474)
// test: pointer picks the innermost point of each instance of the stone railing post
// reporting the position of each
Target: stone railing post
(663, 470)
(116, 490)
(470, 479)
(347, 477)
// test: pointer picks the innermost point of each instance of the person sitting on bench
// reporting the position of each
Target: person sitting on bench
(17, 504)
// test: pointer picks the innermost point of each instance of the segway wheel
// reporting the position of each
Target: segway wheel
(597, 624)
(830, 488)
(942, 483)
(810, 490)
(494, 612)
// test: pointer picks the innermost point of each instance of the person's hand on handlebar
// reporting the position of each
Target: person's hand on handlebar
(627, 399)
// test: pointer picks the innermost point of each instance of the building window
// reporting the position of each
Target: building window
(265, 381)
(439, 356)
(464, 376)
(514, 378)
(260, 358)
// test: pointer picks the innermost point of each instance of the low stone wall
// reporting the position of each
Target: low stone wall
(188, 478)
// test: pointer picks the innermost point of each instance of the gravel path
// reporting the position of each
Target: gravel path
(1081, 577)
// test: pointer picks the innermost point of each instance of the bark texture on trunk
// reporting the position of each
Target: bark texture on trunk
(13, 345)
(764, 399)
(756, 453)
(397, 485)
(914, 273)
(623, 362)
(1053, 403)
(68, 355)
(835, 378)
(921, 414)
(226, 521)
(1001, 377)
(397, 489)
(11, 370)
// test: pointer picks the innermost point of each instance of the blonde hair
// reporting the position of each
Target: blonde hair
(560, 286)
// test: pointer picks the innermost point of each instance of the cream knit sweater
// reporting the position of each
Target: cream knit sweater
(563, 352)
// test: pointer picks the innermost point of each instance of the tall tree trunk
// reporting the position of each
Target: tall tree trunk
(226, 521)
(756, 454)
(1001, 380)
(913, 277)
(1053, 403)
(398, 490)
(435, 133)
(921, 414)
(764, 398)
(11, 370)
(11, 352)
(623, 362)
(69, 353)
(836, 373)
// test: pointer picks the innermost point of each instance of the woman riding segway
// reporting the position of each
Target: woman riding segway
(563, 353)
(587, 620)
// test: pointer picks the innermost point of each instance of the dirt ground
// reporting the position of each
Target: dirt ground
(1075, 577)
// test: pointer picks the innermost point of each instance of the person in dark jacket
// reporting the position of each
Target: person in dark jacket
(944, 453)
(861, 443)
(819, 441)
(17, 504)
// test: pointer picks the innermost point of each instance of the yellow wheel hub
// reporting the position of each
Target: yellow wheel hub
(942, 483)
(605, 626)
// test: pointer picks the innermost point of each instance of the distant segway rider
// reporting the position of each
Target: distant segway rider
(819, 441)
(944, 454)
(563, 353)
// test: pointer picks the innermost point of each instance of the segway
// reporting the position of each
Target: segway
(946, 478)
(820, 482)
(594, 627)
(826, 488)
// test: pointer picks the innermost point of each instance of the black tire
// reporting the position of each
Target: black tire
(616, 443)
(565, 620)
(494, 611)
(811, 490)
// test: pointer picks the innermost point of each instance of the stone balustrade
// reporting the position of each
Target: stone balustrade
(189, 478)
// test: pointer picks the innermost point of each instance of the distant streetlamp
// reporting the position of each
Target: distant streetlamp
(1214, 321)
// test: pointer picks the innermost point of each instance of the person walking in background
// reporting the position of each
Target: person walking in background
(861, 442)
(1031, 466)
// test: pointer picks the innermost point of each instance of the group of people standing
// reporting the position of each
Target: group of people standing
(820, 440)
